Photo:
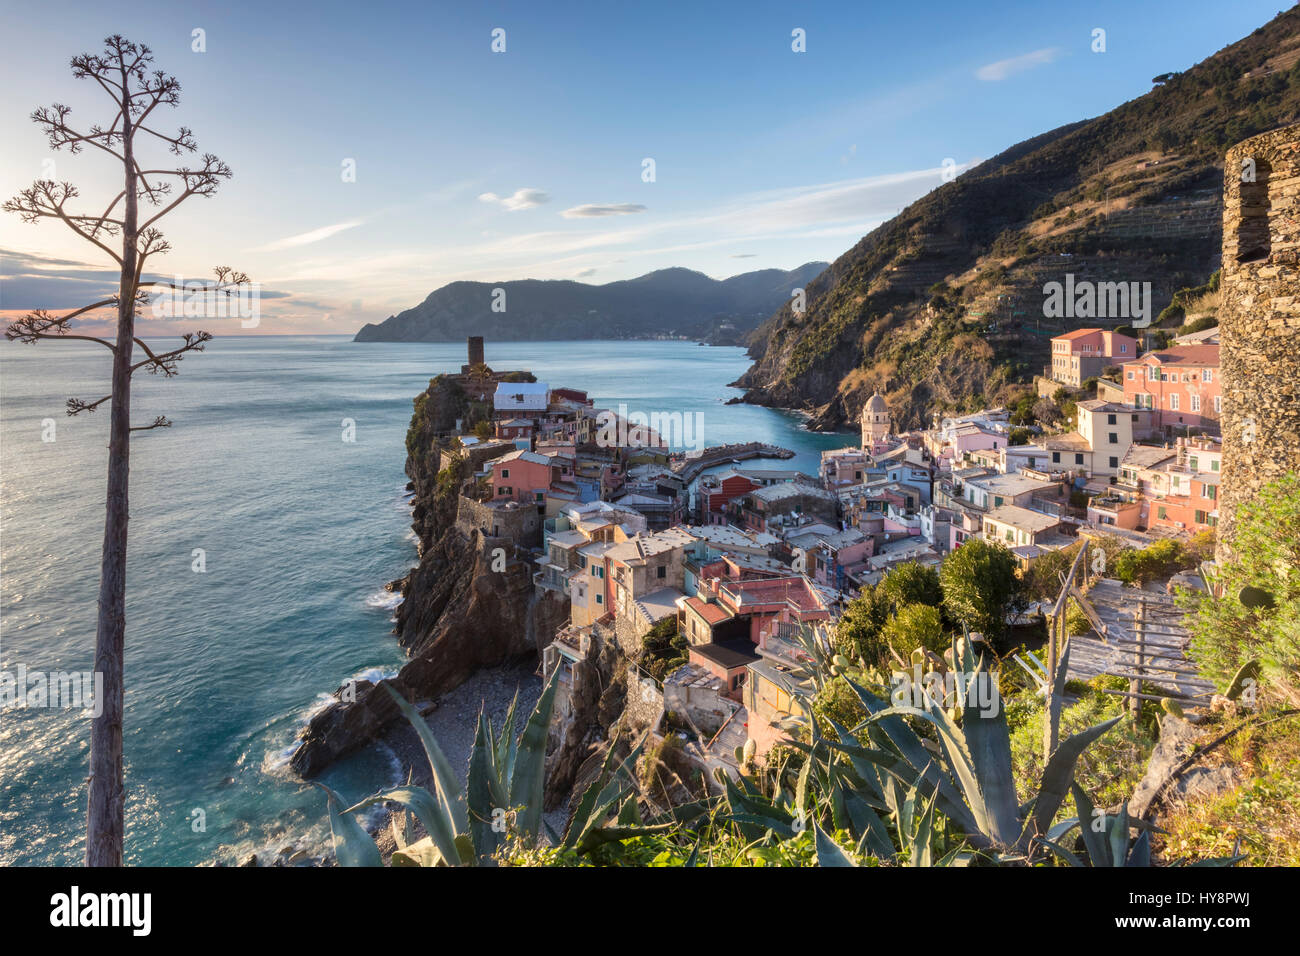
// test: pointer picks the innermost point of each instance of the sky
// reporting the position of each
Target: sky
(383, 149)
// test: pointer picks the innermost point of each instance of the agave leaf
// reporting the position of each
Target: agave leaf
(828, 851)
(1060, 851)
(615, 834)
(527, 781)
(629, 814)
(1058, 776)
(427, 810)
(909, 747)
(508, 746)
(750, 821)
(587, 803)
(1140, 855)
(1058, 832)
(958, 856)
(989, 744)
(597, 819)
(692, 860)
(1097, 847)
(921, 852)
(871, 830)
(484, 794)
(605, 793)
(450, 795)
(1117, 830)
(352, 844)
(422, 852)
(958, 760)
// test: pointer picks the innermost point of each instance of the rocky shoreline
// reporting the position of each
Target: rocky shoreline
(468, 605)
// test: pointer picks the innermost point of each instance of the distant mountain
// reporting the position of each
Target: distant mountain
(941, 307)
(677, 302)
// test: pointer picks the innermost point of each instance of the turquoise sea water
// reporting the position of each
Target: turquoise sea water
(299, 531)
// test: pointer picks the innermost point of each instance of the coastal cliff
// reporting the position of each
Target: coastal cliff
(469, 604)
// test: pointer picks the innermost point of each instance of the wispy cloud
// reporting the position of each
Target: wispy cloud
(592, 209)
(520, 199)
(993, 72)
(307, 238)
(744, 255)
(585, 273)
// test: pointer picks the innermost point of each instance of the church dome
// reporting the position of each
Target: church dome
(876, 404)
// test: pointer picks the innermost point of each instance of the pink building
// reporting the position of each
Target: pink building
(1180, 385)
(521, 476)
(1084, 353)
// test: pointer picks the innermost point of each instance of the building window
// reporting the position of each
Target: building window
(1078, 458)
(1196, 403)
(1200, 517)
(600, 599)
(1214, 464)
(1056, 457)
(1211, 492)
(1218, 404)
(1207, 375)
(1113, 437)
(1114, 462)
(1162, 513)
(1173, 402)
(505, 472)
(661, 572)
(1129, 375)
(1110, 420)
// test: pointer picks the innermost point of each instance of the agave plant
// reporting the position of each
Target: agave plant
(1105, 838)
(463, 826)
(881, 780)
(502, 800)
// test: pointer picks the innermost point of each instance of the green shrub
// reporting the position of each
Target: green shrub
(1263, 624)
(916, 626)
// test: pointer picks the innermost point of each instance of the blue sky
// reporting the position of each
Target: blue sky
(472, 164)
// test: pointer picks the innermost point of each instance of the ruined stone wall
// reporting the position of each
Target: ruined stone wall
(521, 526)
(1259, 319)
(644, 704)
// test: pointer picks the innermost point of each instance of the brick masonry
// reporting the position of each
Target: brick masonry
(1259, 319)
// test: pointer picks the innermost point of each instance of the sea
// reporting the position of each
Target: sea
(264, 524)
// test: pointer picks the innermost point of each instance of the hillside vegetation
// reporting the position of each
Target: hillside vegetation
(941, 308)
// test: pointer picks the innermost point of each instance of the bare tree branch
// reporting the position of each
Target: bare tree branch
(159, 422)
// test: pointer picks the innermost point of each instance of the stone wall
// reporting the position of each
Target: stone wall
(521, 524)
(1259, 319)
(645, 700)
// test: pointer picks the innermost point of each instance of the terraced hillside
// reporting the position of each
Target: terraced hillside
(941, 308)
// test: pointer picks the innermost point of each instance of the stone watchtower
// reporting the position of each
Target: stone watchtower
(1259, 319)
(875, 420)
